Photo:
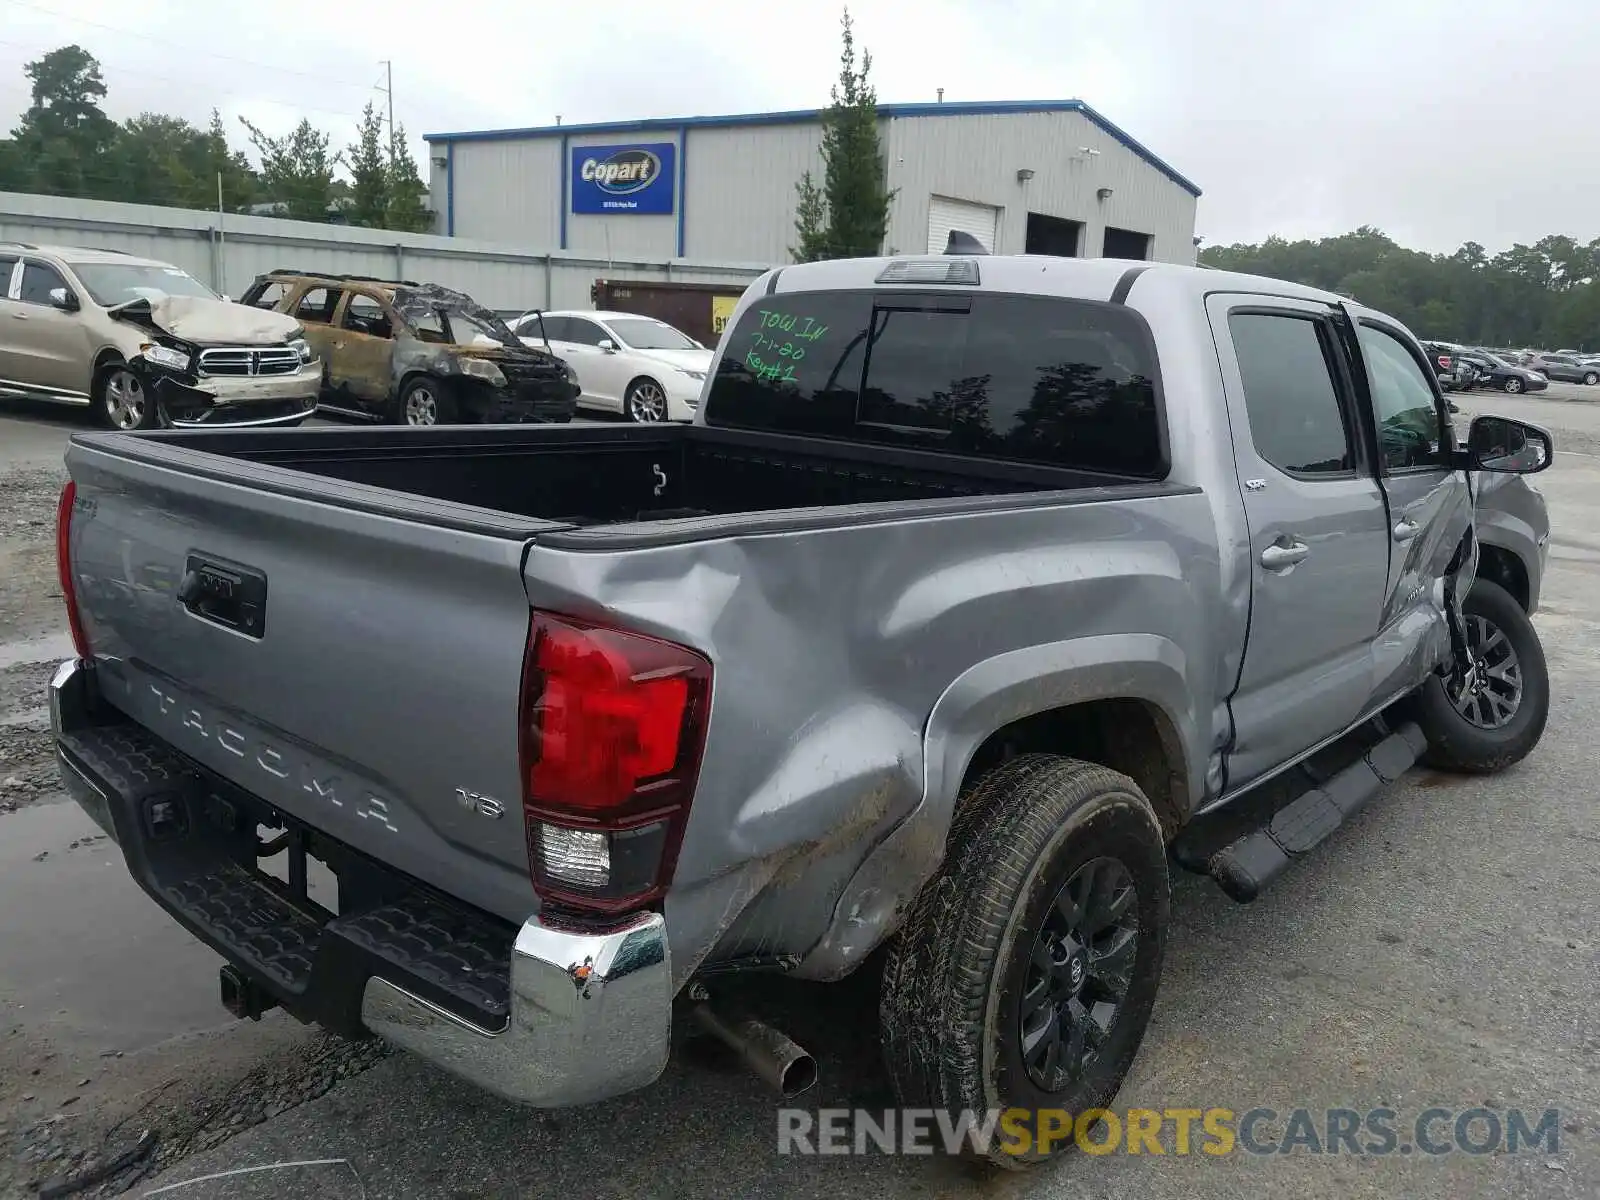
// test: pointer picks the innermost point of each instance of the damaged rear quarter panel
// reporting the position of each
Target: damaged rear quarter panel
(832, 649)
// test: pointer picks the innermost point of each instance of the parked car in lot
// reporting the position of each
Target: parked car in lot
(947, 647)
(1565, 369)
(1499, 372)
(629, 364)
(144, 343)
(416, 354)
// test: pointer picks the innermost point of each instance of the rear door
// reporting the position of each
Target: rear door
(1319, 541)
(1429, 505)
(597, 374)
(363, 349)
(48, 346)
(314, 307)
(10, 326)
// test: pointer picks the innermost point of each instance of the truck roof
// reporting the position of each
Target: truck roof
(1077, 278)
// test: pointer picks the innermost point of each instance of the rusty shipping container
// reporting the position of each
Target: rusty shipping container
(699, 309)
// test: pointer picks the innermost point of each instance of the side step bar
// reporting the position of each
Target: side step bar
(1244, 868)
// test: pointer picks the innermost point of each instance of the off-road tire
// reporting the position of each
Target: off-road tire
(1454, 742)
(950, 1022)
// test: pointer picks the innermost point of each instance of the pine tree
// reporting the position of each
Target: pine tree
(406, 210)
(369, 173)
(297, 170)
(848, 216)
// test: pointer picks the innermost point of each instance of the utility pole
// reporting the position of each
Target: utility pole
(388, 90)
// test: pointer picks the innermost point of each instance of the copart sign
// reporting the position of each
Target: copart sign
(624, 179)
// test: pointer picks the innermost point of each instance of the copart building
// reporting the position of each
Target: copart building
(1049, 177)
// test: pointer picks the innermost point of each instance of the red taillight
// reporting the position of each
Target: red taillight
(69, 593)
(612, 727)
(1444, 362)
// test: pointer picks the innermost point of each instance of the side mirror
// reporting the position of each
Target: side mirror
(608, 345)
(63, 299)
(1507, 446)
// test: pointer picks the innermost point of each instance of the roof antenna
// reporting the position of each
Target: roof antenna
(941, 94)
(962, 242)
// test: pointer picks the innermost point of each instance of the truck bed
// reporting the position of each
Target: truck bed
(526, 480)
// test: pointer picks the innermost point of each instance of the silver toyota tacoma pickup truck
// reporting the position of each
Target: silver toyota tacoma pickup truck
(981, 591)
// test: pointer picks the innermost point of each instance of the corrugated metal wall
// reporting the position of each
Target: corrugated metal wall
(740, 184)
(510, 192)
(977, 158)
(503, 277)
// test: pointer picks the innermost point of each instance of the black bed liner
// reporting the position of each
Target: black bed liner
(615, 485)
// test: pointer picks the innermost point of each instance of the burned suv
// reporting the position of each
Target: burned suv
(417, 354)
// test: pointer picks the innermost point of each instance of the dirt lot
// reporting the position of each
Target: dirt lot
(1440, 951)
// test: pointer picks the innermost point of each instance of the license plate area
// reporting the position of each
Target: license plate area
(225, 593)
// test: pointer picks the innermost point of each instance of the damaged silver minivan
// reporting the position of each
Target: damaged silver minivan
(145, 343)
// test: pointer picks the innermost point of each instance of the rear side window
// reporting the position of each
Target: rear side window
(1061, 383)
(1296, 421)
(318, 305)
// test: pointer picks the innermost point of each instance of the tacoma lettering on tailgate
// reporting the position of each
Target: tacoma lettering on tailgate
(282, 764)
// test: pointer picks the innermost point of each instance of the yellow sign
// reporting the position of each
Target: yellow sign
(721, 309)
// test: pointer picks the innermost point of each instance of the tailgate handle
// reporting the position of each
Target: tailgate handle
(225, 593)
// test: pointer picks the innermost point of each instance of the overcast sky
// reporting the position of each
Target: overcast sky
(1437, 121)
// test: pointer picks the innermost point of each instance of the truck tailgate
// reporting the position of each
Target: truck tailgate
(374, 667)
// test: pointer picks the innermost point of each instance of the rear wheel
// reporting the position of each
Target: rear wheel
(1591, 377)
(1494, 714)
(121, 401)
(646, 401)
(1026, 970)
(426, 401)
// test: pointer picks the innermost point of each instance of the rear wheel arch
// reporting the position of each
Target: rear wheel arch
(1132, 736)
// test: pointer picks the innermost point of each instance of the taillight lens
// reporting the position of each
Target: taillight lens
(1444, 362)
(612, 727)
(69, 593)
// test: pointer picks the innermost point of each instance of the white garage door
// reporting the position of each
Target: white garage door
(944, 214)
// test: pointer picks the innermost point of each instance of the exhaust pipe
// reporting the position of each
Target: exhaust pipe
(775, 1059)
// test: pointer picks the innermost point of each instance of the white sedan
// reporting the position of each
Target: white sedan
(637, 366)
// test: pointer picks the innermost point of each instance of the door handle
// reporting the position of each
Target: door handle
(1280, 556)
(1405, 529)
(19, 316)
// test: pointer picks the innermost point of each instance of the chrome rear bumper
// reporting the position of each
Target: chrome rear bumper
(590, 1017)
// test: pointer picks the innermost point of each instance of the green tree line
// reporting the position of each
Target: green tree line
(66, 145)
(1546, 295)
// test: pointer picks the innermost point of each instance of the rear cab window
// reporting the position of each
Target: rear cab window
(1030, 379)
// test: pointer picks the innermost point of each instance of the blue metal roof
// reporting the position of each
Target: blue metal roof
(799, 116)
